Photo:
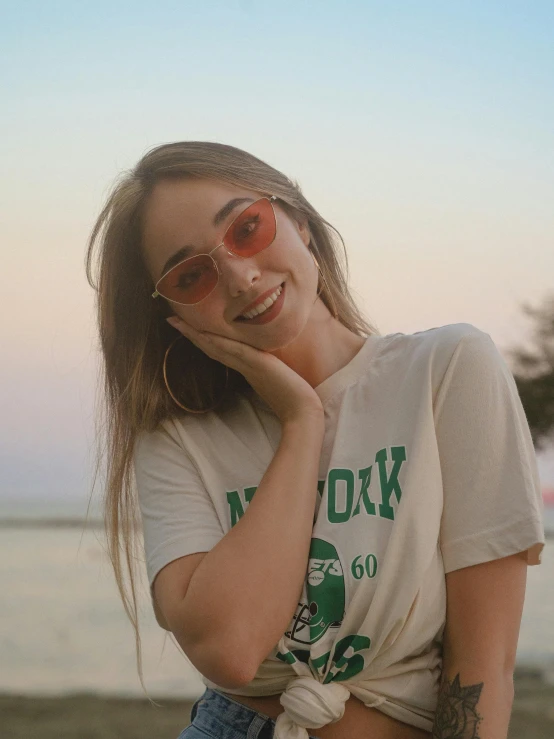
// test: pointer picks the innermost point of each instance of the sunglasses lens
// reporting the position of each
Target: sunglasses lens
(194, 279)
(189, 281)
(253, 230)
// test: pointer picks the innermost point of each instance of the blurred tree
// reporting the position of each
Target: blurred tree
(533, 371)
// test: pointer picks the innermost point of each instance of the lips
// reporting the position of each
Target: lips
(269, 314)
(259, 301)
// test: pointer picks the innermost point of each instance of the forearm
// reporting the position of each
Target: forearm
(244, 592)
(474, 703)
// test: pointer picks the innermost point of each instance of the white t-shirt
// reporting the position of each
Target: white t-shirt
(427, 466)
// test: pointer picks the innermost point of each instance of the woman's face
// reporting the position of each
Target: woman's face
(181, 212)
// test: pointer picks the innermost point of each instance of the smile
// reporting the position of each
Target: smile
(266, 311)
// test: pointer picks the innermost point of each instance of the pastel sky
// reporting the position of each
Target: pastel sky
(422, 131)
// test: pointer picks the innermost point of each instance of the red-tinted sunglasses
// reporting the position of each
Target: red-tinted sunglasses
(194, 278)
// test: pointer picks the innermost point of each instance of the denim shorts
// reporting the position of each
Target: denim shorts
(215, 715)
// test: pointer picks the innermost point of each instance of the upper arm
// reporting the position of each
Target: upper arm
(484, 607)
(180, 523)
(492, 502)
(170, 587)
(483, 614)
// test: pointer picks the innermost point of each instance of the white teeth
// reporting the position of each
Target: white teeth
(262, 307)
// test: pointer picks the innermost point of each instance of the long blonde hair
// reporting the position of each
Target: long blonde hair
(134, 334)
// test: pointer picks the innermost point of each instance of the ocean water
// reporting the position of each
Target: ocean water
(63, 629)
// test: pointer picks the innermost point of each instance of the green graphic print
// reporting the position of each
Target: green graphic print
(326, 595)
(350, 493)
(324, 610)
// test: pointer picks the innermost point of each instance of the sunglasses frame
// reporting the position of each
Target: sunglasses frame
(157, 294)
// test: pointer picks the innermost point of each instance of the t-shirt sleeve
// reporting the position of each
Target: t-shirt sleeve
(492, 495)
(178, 515)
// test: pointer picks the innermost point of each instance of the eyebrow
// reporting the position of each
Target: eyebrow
(219, 217)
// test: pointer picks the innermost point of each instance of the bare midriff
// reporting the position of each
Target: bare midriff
(358, 721)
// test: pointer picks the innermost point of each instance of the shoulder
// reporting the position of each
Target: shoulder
(440, 359)
(186, 433)
(165, 444)
(446, 339)
(435, 347)
(164, 435)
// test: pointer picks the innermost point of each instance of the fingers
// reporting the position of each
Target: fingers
(233, 353)
(215, 346)
(196, 336)
(178, 323)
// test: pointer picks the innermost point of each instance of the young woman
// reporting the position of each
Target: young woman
(337, 524)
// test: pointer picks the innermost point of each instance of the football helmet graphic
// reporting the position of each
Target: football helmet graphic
(326, 595)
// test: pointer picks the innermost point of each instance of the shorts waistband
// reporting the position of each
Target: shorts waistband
(219, 715)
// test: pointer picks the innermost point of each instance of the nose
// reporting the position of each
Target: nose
(238, 274)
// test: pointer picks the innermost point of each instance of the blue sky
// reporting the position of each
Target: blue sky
(421, 130)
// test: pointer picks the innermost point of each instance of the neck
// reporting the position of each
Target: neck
(322, 348)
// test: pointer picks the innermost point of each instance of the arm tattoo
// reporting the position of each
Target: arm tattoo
(456, 716)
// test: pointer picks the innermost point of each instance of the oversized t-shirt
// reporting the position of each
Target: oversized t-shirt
(427, 465)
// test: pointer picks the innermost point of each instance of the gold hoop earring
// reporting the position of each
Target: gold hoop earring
(335, 311)
(189, 410)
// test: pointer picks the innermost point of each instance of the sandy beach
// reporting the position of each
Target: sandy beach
(94, 717)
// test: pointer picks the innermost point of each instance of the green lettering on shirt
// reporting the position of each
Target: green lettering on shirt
(389, 485)
(341, 484)
(340, 475)
(365, 476)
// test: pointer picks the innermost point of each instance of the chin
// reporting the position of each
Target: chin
(273, 342)
(279, 333)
